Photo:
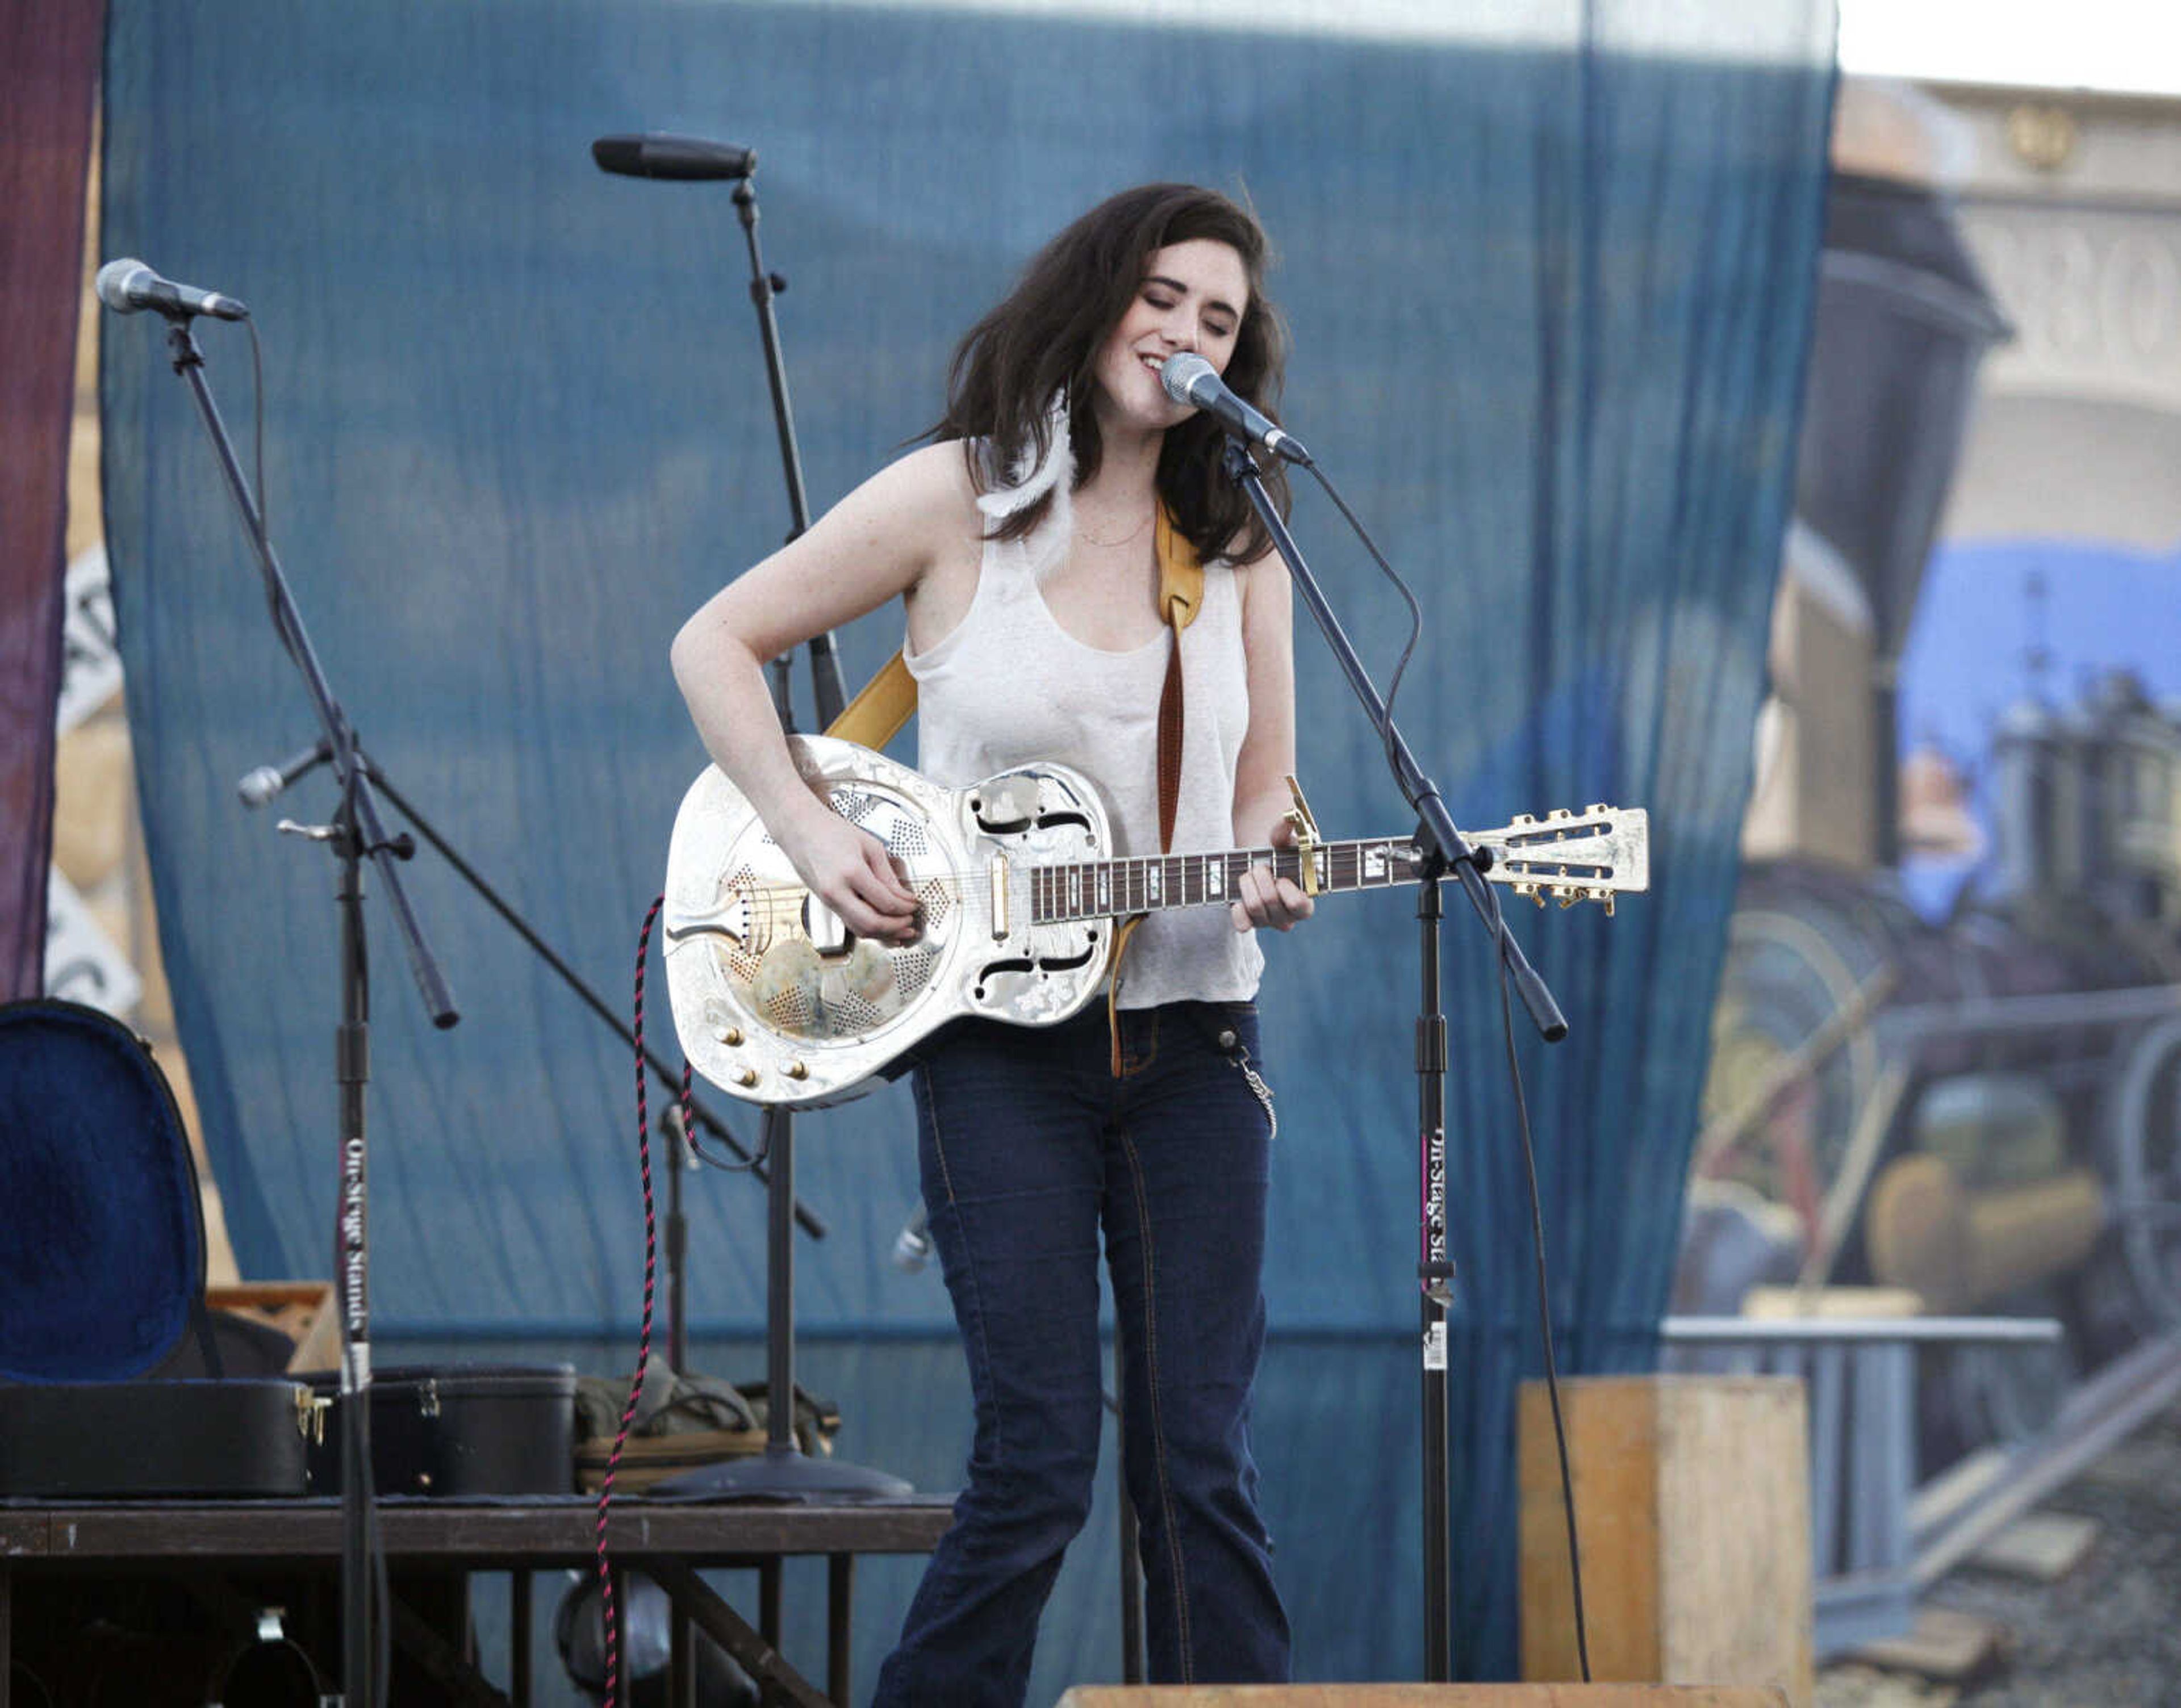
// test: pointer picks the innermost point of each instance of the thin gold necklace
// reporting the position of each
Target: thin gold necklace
(1091, 538)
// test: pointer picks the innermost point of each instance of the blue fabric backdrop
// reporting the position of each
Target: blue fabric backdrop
(1550, 306)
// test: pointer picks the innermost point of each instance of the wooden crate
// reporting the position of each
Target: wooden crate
(301, 1310)
(1692, 1495)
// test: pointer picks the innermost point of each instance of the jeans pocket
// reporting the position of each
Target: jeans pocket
(1232, 1027)
(1225, 1025)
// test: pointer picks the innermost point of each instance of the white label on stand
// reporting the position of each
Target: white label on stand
(1435, 1347)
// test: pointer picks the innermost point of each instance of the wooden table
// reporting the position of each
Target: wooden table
(668, 1541)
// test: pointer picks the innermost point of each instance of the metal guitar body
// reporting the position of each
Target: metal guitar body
(776, 1002)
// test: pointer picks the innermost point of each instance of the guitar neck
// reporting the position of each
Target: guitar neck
(1106, 889)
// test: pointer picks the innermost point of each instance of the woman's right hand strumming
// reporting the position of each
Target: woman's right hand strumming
(912, 530)
(850, 871)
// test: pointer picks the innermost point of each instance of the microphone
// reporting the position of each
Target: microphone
(261, 784)
(125, 286)
(656, 156)
(1190, 379)
(912, 1245)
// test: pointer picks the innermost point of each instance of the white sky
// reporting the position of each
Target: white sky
(2121, 45)
(2132, 45)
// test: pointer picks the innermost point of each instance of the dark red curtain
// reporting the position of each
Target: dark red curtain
(48, 75)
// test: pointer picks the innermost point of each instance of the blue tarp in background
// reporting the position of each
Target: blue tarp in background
(1550, 308)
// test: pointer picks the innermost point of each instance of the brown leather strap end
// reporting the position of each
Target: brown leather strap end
(1181, 594)
(1169, 748)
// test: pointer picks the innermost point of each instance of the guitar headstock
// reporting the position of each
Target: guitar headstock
(1590, 855)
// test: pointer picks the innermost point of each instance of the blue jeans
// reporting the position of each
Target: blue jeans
(1029, 1148)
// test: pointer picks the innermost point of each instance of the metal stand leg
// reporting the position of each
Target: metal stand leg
(768, 1601)
(518, 1638)
(840, 1604)
(681, 1662)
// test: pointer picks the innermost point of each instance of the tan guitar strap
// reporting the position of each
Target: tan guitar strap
(875, 717)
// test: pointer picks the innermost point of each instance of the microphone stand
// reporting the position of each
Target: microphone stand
(355, 834)
(677, 1227)
(826, 686)
(806, 1218)
(783, 1471)
(1442, 852)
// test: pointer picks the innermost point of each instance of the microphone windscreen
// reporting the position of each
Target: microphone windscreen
(620, 154)
(113, 281)
(657, 156)
(1181, 371)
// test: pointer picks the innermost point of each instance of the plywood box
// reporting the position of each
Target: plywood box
(1691, 1497)
(302, 1310)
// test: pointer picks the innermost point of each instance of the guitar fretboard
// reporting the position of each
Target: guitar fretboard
(1104, 889)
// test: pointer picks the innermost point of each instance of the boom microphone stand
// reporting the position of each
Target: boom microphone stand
(354, 835)
(261, 784)
(1443, 851)
(783, 1471)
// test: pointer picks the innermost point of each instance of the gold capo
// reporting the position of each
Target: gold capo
(1306, 838)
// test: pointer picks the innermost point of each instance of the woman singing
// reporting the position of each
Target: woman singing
(1026, 543)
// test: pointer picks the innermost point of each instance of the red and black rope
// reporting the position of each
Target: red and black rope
(612, 1613)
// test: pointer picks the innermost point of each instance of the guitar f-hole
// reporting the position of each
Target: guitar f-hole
(992, 969)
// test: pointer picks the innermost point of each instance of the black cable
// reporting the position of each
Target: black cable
(671, 1124)
(283, 624)
(1400, 586)
(258, 392)
(1545, 1314)
(704, 1159)
(286, 624)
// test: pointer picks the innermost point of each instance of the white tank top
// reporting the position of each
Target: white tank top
(1008, 686)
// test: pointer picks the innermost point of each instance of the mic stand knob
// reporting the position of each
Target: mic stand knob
(402, 847)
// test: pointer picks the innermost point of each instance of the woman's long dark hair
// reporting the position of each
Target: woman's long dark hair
(1044, 338)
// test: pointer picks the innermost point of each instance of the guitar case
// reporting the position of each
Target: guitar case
(458, 1431)
(101, 1279)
